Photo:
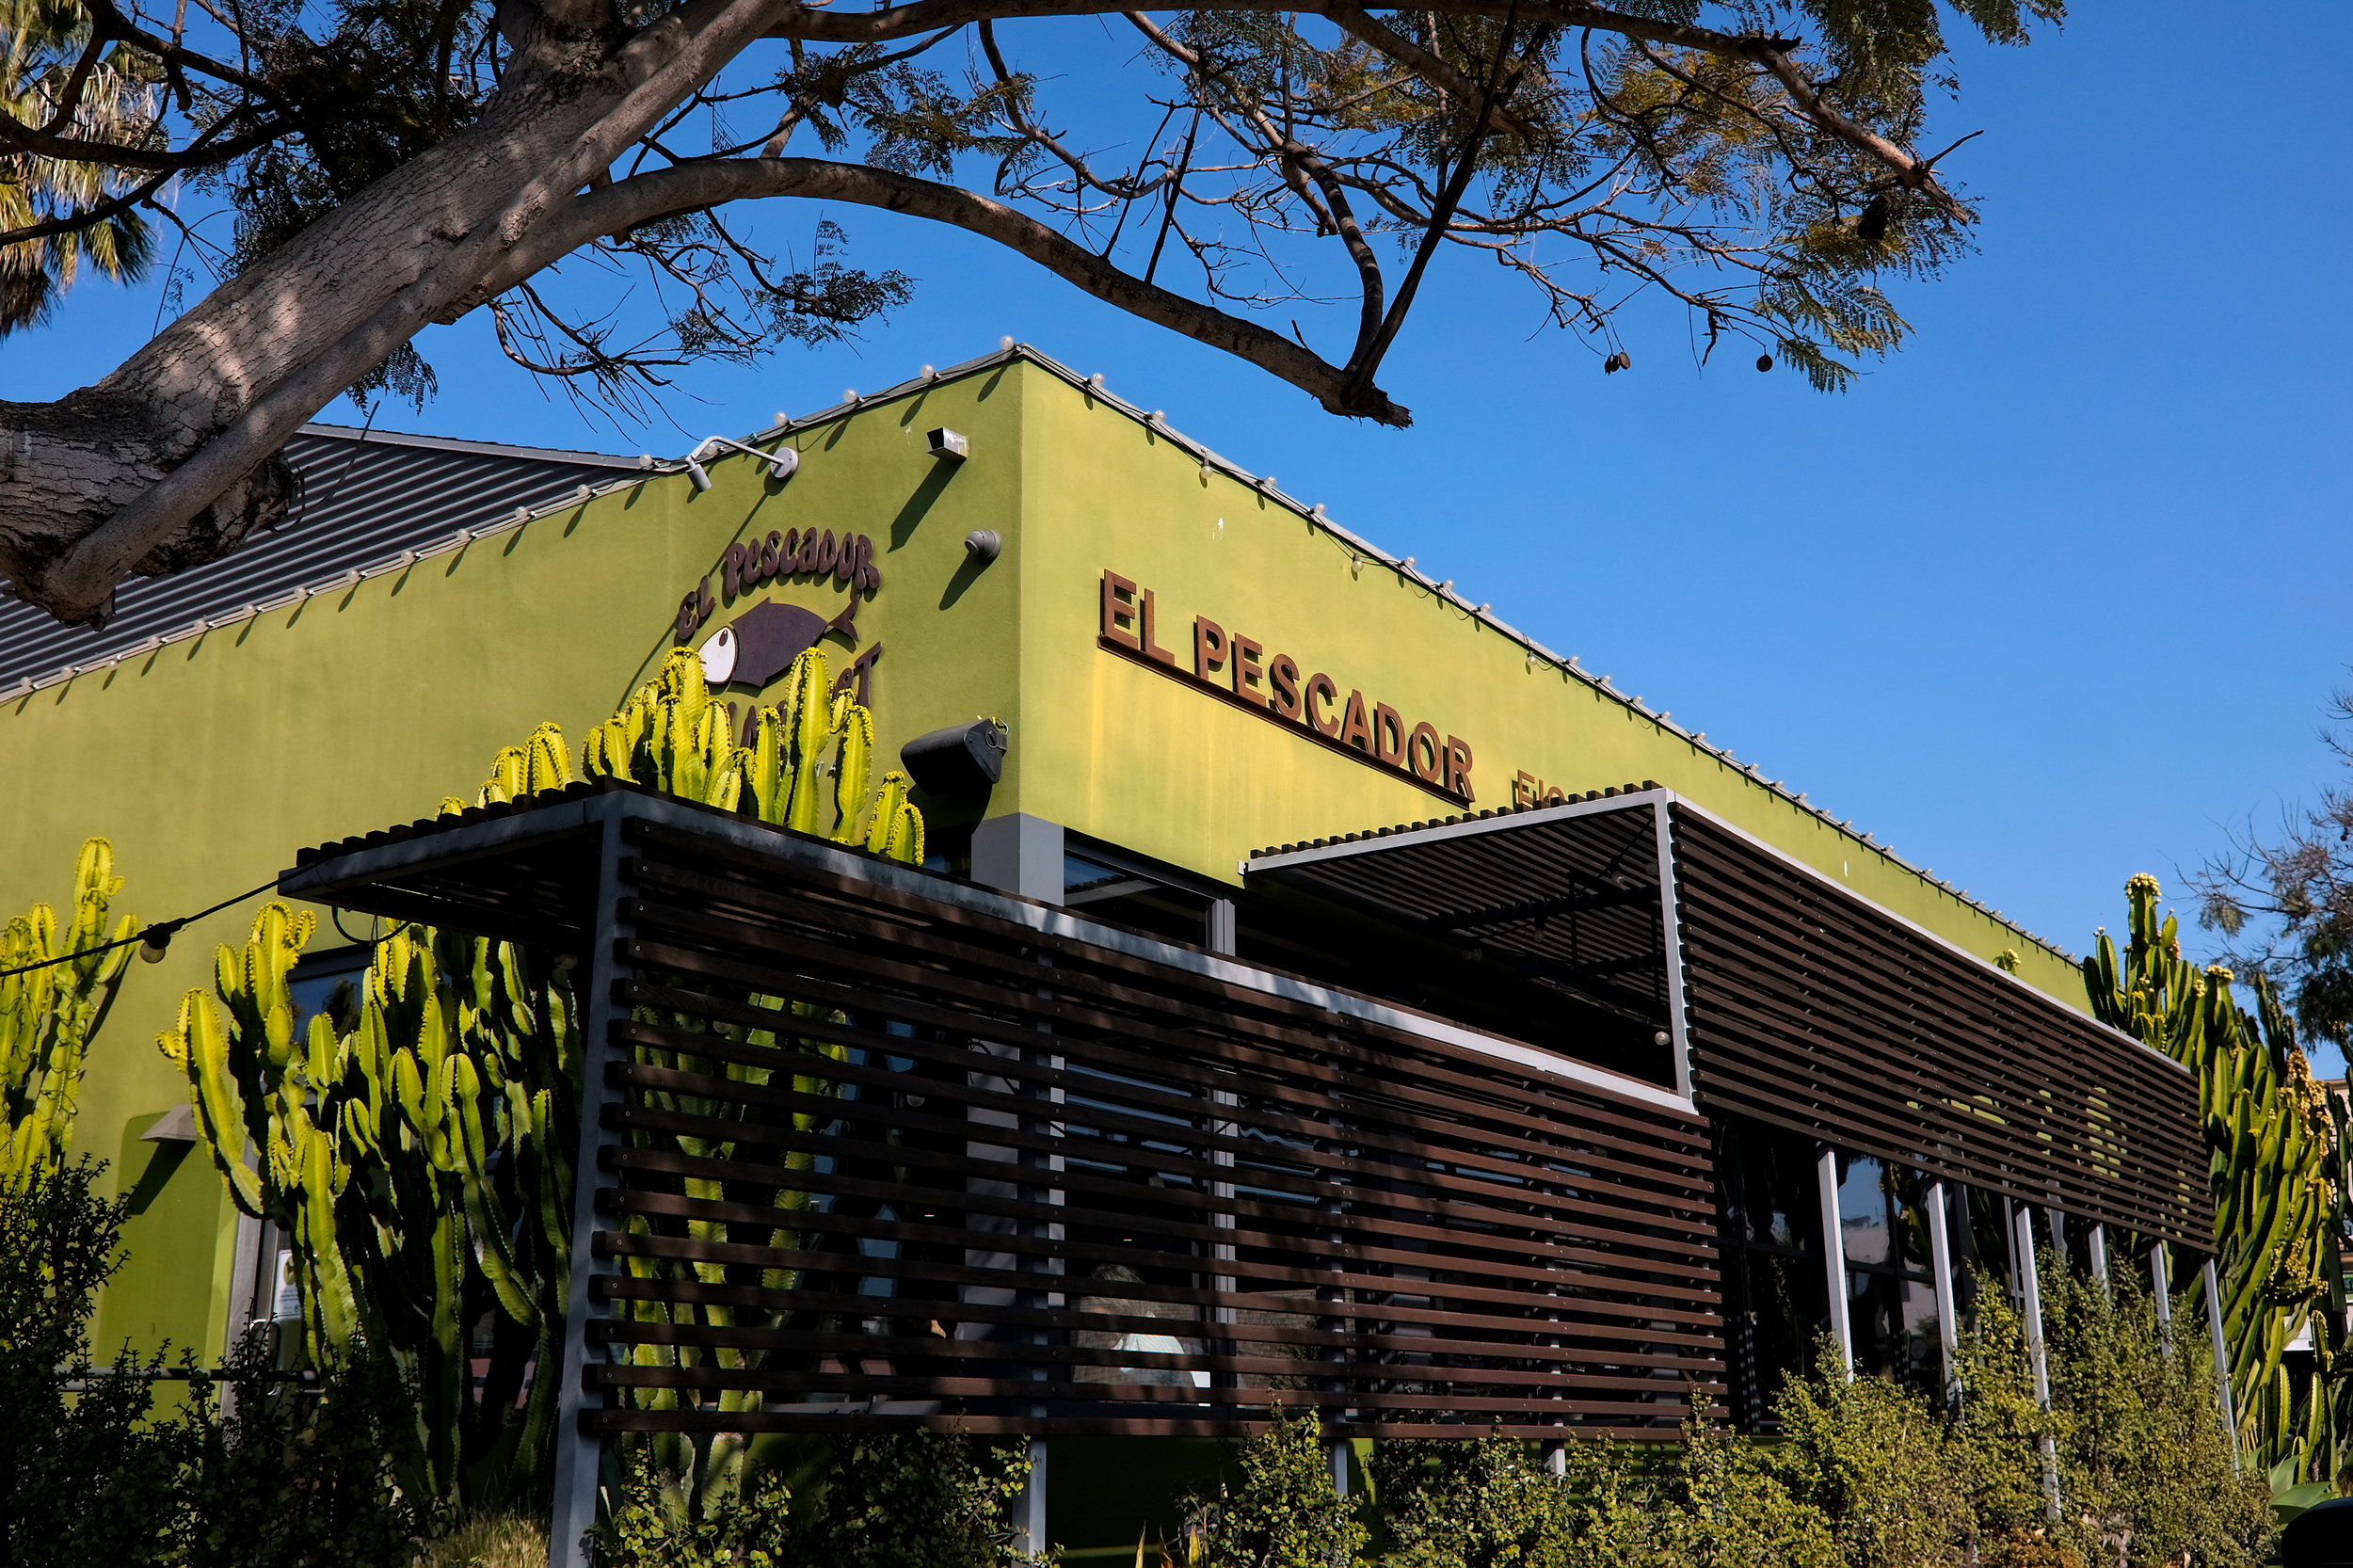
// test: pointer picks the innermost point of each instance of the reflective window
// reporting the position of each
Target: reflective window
(1891, 1288)
(1776, 1295)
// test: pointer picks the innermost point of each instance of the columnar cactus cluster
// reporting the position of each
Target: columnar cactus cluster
(415, 1142)
(48, 1014)
(2274, 1144)
(675, 736)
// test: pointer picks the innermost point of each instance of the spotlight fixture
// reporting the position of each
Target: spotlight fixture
(948, 444)
(984, 545)
(962, 761)
(782, 463)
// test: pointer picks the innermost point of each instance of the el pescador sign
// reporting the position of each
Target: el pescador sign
(1237, 669)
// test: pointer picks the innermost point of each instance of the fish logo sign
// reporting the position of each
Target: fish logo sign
(760, 645)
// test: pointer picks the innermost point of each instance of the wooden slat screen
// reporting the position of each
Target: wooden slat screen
(1811, 1010)
(881, 1159)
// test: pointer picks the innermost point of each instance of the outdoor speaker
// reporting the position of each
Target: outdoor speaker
(961, 760)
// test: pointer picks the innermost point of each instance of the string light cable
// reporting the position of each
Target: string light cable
(153, 941)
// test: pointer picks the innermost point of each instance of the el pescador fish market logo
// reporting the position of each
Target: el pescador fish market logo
(760, 645)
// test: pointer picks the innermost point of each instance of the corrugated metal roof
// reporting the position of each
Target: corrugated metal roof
(365, 495)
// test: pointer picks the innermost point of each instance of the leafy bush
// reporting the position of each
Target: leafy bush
(1865, 1475)
(87, 1468)
(1282, 1510)
(97, 1472)
(302, 1475)
(920, 1499)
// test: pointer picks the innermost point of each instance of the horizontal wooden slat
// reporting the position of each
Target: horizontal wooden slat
(1814, 1011)
(869, 1150)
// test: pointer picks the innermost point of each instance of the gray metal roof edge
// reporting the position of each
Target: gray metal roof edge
(481, 449)
(1459, 828)
(1506, 820)
(350, 577)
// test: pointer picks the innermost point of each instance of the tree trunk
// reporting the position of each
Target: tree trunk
(170, 460)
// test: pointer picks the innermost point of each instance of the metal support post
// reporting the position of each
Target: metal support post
(2221, 1359)
(1556, 1459)
(2037, 1356)
(1029, 1509)
(1339, 1467)
(2161, 1291)
(1019, 854)
(1947, 1316)
(1218, 930)
(580, 1456)
(2100, 1255)
(1835, 1257)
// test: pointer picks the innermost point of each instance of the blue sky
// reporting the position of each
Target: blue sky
(2051, 598)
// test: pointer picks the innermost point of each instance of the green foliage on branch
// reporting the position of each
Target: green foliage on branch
(98, 1470)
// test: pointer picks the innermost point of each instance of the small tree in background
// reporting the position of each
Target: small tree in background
(2286, 903)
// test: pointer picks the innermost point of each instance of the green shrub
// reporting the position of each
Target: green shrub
(87, 1477)
(1281, 1510)
(303, 1475)
(920, 1499)
(96, 1471)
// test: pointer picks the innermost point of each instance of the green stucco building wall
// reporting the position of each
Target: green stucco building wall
(208, 761)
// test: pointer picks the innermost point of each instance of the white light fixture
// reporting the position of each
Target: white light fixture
(1003, 344)
(1356, 567)
(782, 463)
(849, 394)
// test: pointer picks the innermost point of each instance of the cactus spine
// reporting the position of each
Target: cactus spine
(49, 1014)
(2275, 1180)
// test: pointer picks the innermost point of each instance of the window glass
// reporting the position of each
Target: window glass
(1776, 1297)
(1862, 1219)
(327, 983)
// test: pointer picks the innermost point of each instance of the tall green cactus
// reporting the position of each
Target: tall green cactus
(417, 1150)
(49, 1014)
(417, 1146)
(2275, 1177)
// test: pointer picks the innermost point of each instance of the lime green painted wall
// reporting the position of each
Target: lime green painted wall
(1130, 756)
(212, 760)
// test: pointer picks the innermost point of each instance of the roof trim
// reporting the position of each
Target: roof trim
(479, 449)
(1652, 794)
